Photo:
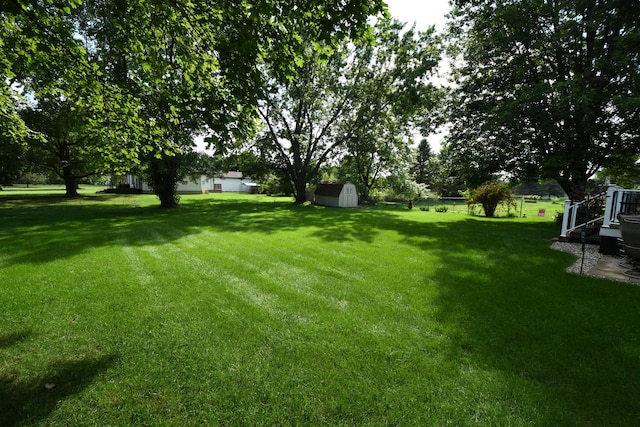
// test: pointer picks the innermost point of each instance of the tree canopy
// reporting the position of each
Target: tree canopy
(422, 168)
(547, 89)
(153, 74)
(357, 101)
(62, 143)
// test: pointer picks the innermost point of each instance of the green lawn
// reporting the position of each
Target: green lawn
(249, 310)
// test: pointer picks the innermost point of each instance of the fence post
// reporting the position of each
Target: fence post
(565, 218)
(610, 209)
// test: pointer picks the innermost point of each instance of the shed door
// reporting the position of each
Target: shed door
(350, 196)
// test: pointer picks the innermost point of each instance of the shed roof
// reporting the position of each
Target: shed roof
(329, 189)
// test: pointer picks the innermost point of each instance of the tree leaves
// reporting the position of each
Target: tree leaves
(544, 86)
(357, 101)
(151, 74)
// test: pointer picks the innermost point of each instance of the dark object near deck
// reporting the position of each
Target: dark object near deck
(630, 230)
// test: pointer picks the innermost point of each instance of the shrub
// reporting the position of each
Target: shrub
(441, 209)
(32, 179)
(403, 188)
(558, 217)
(490, 196)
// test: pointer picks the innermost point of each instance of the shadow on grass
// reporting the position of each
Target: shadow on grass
(564, 345)
(34, 233)
(32, 401)
(13, 338)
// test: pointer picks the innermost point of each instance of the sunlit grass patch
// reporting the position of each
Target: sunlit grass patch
(245, 310)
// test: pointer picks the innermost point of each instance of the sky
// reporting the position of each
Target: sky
(423, 12)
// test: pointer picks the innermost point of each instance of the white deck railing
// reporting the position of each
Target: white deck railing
(577, 215)
(617, 200)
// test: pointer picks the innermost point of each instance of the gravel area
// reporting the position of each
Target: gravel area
(591, 255)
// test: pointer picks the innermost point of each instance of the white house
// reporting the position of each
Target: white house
(341, 194)
(203, 184)
(230, 181)
(234, 181)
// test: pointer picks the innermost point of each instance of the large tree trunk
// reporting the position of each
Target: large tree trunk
(300, 192)
(364, 191)
(575, 189)
(163, 179)
(167, 196)
(70, 183)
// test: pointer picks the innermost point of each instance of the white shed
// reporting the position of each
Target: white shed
(232, 181)
(203, 184)
(339, 194)
(250, 187)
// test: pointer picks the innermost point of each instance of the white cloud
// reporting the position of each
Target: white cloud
(424, 13)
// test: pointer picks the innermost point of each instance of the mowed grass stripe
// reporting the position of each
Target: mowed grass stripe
(286, 275)
(269, 257)
(267, 298)
(204, 265)
(237, 310)
(311, 263)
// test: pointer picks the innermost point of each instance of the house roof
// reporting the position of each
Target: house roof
(329, 189)
(233, 174)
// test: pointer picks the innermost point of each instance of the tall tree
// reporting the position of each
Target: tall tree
(422, 160)
(36, 46)
(301, 118)
(11, 161)
(443, 179)
(359, 100)
(171, 60)
(64, 144)
(194, 66)
(393, 96)
(368, 159)
(155, 73)
(548, 88)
